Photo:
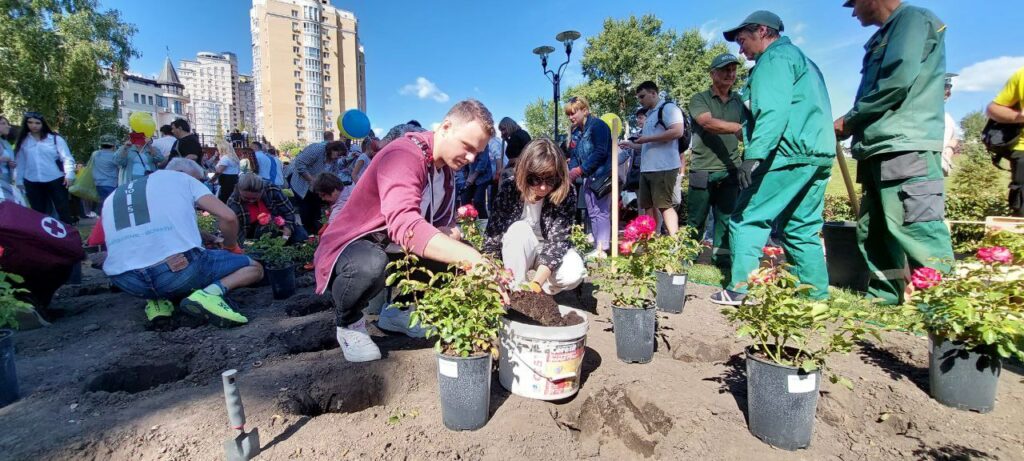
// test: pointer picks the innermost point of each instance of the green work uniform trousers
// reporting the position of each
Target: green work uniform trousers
(794, 196)
(708, 189)
(901, 220)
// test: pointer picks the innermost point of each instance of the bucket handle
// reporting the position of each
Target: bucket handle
(558, 377)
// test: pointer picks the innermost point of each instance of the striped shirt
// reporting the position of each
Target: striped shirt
(312, 161)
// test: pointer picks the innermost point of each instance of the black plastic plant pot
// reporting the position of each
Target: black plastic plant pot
(282, 281)
(781, 402)
(465, 388)
(8, 374)
(634, 333)
(670, 292)
(962, 378)
(846, 266)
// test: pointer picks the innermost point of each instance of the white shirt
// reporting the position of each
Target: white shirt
(37, 160)
(150, 219)
(531, 214)
(948, 136)
(660, 156)
(164, 144)
(265, 163)
(231, 165)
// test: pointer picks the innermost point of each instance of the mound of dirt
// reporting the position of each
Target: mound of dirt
(539, 309)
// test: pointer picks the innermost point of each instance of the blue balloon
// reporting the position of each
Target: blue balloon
(354, 124)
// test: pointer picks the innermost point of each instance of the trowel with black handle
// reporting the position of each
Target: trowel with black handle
(246, 445)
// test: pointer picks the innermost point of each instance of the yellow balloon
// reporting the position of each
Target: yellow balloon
(142, 122)
(614, 123)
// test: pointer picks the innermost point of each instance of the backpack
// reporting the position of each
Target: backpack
(684, 140)
(1000, 139)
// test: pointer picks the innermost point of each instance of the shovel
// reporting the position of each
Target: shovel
(244, 446)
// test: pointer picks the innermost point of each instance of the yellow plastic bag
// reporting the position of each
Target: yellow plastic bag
(85, 185)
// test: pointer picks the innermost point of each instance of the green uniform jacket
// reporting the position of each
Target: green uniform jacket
(790, 117)
(899, 106)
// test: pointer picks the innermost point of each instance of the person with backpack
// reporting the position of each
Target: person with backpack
(715, 156)
(789, 148)
(897, 124)
(661, 150)
(45, 166)
(1006, 109)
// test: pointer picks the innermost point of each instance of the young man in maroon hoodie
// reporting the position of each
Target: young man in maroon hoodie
(406, 196)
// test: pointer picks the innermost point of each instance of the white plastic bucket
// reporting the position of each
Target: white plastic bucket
(542, 362)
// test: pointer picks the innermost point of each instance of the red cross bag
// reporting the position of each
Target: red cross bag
(40, 248)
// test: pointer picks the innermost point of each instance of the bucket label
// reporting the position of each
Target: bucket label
(448, 368)
(679, 280)
(802, 384)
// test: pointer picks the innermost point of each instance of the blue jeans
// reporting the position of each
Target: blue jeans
(158, 282)
(103, 192)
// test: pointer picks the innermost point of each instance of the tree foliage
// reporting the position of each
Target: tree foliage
(972, 124)
(57, 58)
(539, 118)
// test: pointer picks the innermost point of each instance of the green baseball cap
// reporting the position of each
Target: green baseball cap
(762, 17)
(108, 140)
(723, 60)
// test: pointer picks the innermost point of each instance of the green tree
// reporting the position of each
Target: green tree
(972, 124)
(58, 58)
(539, 117)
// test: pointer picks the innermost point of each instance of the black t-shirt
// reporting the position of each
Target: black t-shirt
(516, 142)
(189, 145)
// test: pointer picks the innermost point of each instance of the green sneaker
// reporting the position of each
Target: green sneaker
(213, 308)
(158, 309)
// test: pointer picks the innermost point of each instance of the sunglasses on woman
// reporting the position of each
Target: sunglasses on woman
(535, 181)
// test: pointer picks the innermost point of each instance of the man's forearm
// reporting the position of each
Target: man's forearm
(717, 126)
(443, 248)
(1003, 114)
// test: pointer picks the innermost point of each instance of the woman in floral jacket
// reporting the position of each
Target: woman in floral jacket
(529, 224)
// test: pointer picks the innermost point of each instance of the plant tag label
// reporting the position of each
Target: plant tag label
(679, 280)
(448, 368)
(802, 384)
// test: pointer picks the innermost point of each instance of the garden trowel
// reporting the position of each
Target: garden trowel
(244, 446)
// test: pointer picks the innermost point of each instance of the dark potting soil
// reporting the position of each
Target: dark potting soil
(539, 309)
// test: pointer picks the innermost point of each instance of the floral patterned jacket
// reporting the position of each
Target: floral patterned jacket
(555, 224)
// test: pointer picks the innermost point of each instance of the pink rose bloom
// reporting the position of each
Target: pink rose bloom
(631, 232)
(992, 255)
(645, 225)
(772, 252)
(762, 276)
(279, 221)
(626, 247)
(263, 219)
(924, 278)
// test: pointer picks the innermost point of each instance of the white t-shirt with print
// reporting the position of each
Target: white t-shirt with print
(660, 156)
(150, 219)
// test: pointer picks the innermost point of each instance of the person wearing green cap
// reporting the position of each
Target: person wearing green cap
(787, 159)
(897, 124)
(715, 155)
(105, 167)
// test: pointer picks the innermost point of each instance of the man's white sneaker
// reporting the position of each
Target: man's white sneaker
(596, 254)
(356, 344)
(397, 320)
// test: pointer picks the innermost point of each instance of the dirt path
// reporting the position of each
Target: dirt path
(97, 385)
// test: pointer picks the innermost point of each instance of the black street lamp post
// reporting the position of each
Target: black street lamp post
(555, 77)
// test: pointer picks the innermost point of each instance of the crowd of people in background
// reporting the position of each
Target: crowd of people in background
(402, 190)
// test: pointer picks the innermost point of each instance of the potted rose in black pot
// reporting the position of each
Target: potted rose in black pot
(671, 257)
(975, 319)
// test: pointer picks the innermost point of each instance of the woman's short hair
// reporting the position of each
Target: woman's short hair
(326, 183)
(250, 182)
(576, 104)
(542, 158)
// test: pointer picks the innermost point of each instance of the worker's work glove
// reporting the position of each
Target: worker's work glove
(746, 172)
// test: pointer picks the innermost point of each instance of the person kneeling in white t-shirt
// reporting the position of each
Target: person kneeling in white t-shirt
(530, 221)
(154, 250)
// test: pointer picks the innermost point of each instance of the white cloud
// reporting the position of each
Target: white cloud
(378, 131)
(424, 89)
(989, 75)
(712, 30)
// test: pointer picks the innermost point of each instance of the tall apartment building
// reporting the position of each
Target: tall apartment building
(308, 67)
(211, 81)
(246, 104)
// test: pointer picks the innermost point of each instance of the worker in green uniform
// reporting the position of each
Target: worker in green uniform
(715, 156)
(787, 158)
(897, 126)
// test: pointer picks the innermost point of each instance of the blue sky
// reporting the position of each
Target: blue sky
(422, 56)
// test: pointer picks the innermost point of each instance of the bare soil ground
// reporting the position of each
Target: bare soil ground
(97, 385)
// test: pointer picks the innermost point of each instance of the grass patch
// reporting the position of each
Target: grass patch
(706, 274)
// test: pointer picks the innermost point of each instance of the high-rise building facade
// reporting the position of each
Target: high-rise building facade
(211, 81)
(246, 104)
(308, 68)
(164, 98)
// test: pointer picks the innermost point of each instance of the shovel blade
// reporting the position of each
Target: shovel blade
(243, 447)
